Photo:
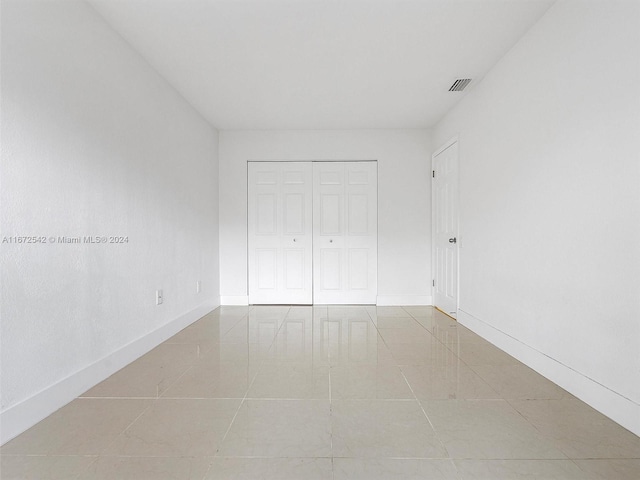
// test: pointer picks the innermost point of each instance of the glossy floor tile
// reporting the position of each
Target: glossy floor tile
(430, 352)
(213, 379)
(280, 428)
(579, 430)
(383, 428)
(175, 428)
(488, 429)
(235, 468)
(146, 468)
(519, 469)
(393, 469)
(291, 382)
(604, 469)
(324, 393)
(369, 382)
(85, 426)
(23, 467)
(519, 382)
(139, 379)
(476, 354)
(447, 382)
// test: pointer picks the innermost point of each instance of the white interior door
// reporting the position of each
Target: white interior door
(445, 227)
(280, 233)
(345, 232)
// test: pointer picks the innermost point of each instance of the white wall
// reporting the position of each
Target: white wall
(550, 202)
(94, 142)
(404, 201)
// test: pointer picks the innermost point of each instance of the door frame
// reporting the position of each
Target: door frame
(455, 139)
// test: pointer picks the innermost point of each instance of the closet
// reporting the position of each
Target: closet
(312, 232)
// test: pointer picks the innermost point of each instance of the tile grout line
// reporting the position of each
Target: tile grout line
(330, 399)
(331, 425)
(86, 469)
(101, 454)
(425, 414)
(246, 395)
(549, 438)
(422, 407)
(175, 382)
(448, 347)
(239, 405)
(470, 367)
(329, 367)
(330, 416)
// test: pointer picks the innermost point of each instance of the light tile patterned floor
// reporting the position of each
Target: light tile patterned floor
(324, 393)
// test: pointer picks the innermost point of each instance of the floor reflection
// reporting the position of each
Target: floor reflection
(324, 392)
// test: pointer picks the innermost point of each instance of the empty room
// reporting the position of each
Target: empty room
(320, 239)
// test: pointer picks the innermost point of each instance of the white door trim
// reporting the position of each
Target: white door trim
(446, 145)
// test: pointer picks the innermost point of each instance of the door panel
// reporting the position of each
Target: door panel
(330, 269)
(358, 214)
(345, 232)
(358, 269)
(330, 214)
(279, 232)
(358, 177)
(266, 214)
(294, 269)
(294, 212)
(266, 178)
(445, 221)
(266, 268)
(294, 178)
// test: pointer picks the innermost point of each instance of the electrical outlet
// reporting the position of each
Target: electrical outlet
(198, 286)
(158, 297)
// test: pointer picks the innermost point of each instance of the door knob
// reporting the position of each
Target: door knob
(294, 239)
(453, 240)
(331, 241)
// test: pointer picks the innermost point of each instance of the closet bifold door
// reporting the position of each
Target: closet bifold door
(345, 232)
(280, 233)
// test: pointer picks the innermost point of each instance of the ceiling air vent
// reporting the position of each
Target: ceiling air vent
(460, 84)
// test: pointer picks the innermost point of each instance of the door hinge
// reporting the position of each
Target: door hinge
(433, 174)
(433, 283)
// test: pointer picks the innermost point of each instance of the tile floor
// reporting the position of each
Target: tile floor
(324, 393)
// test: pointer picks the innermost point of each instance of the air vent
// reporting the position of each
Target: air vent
(460, 84)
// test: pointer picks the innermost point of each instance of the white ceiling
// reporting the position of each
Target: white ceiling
(321, 64)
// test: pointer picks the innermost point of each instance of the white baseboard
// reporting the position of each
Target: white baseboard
(381, 300)
(615, 406)
(400, 300)
(22, 416)
(242, 300)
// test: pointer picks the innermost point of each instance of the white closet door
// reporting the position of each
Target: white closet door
(280, 233)
(345, 232)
